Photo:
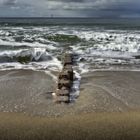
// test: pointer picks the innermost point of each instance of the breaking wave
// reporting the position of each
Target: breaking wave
(42, 47)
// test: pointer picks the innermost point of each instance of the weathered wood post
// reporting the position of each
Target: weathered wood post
(65, 80)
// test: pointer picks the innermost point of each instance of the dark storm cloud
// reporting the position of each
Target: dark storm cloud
(122, 9)
(9, 2)
(86, 8)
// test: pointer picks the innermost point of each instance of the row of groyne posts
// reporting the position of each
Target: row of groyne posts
(65, 80)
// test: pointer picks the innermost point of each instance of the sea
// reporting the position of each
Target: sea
(97, 44)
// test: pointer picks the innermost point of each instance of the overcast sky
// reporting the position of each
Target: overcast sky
(70, 8)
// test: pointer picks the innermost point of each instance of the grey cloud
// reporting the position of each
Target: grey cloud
(95, 8)
(69, 0)
(8, 2)
(83, 4)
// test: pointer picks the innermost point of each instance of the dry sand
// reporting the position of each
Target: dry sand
(27, 91)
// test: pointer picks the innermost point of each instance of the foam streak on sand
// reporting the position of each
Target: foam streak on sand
(76, 86)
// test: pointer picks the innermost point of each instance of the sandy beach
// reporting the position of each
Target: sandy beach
(105, 95)
(28, 92)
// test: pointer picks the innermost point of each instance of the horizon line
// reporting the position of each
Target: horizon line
(74, 17)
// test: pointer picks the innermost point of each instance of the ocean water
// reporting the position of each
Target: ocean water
(98, 44)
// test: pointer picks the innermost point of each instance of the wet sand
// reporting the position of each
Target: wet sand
(27, 91)
(112, 90)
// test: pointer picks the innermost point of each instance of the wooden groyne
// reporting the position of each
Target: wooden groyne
(65, 80)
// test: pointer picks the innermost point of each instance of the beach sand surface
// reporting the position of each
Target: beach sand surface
(29, 92)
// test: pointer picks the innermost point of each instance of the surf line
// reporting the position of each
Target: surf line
(67, 89)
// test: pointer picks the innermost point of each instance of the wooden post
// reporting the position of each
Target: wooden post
(68, 59)
(66, 75)
(65, 80)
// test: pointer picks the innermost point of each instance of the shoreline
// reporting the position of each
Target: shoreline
(27, 91)
(29, 113)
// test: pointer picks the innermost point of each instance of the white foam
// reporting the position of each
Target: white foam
(10, 53)
(53, 65)
(97, 46)
(83, 68)
(112, 41)
(76, 86)
(35, 44)
(52, 75)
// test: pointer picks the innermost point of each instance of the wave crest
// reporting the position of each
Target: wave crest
(25, 56)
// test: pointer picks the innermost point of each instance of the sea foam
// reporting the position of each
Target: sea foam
(41, 47)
